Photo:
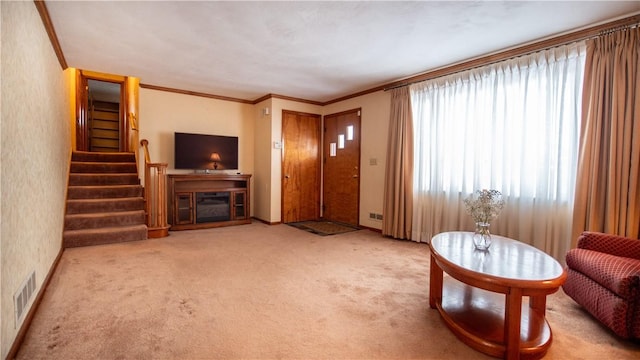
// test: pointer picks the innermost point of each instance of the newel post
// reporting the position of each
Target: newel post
(155, 195)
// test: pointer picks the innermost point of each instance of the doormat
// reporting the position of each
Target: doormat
(324, 228)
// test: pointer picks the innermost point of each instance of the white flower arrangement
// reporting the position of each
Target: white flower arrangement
(484, 205)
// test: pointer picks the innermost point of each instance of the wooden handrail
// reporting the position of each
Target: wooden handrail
(155, 194)
(145, 147)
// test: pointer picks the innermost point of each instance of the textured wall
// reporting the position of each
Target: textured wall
(35, 145)
(261, 178)
(268, 161)
(374, 125)
(162, 113)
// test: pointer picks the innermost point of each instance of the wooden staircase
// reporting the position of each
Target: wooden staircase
(105, 201)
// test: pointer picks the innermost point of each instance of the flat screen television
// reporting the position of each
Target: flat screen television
(205, 152)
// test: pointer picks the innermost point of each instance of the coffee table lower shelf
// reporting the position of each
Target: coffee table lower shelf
(477, 317)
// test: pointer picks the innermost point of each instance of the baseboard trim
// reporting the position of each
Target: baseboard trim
(13, 352)
(267, 222)
(370, 228)
(279, 222)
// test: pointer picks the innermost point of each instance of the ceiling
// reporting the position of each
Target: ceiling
(317, 51)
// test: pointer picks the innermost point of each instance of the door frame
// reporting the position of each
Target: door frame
(82, 111)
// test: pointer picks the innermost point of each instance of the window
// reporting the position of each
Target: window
(512, 126)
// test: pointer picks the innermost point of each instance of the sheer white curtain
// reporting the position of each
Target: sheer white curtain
(511, 126)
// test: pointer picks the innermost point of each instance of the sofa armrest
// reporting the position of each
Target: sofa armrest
(618, 274)
(610, 244)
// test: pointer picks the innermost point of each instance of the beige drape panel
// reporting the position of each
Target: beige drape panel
(398, 188)
(608, 179)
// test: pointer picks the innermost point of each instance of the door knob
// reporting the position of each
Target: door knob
(286, 176)
(355, 176)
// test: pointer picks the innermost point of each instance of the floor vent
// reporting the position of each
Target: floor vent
(23, 296)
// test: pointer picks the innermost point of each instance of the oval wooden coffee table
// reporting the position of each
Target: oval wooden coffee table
(482, 299)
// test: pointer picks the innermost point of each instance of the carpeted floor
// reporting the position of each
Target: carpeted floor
(323, 228)
(266, 292)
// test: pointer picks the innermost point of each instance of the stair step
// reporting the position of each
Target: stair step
(107, 235)
(103, 167)
(107, 219)
(85, 206)
(103, 156)
(103, 179)
(104, 200)
(102, 192)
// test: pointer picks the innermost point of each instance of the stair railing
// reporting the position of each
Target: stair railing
(155, 195)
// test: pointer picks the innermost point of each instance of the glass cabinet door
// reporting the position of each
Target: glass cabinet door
(239, 205)
(184, 208)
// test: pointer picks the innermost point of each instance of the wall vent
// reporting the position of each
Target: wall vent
(23, 296)
(375, 216)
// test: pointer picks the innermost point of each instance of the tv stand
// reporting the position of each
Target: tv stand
(199, 201)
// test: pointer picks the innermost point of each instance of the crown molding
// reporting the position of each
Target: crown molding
(195, 93)
(48, 25)
(284, 97)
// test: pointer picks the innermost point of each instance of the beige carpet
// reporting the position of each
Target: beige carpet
(266, 292)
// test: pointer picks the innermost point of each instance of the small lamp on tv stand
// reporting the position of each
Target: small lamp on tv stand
(215, 158)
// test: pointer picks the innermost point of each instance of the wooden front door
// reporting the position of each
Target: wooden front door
(300, 166)
(341, 195)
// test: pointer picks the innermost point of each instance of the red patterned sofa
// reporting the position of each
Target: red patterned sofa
(603, 276)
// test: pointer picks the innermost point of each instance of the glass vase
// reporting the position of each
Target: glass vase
(482, 236)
